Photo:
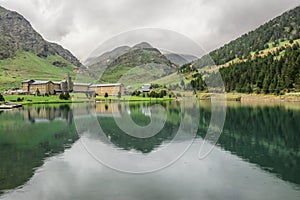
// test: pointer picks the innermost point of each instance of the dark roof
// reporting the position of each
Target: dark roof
(28, 81)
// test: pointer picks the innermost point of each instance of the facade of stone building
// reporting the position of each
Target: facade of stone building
(52, 87)
(81, 87)
(42, 86)
(112, 89)
(49, 87)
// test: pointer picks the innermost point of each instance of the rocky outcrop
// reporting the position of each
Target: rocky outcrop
(16, 33)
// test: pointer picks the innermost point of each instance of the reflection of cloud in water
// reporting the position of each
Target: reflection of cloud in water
(75, 175)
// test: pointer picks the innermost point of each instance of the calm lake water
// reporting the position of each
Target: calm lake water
(55, 152)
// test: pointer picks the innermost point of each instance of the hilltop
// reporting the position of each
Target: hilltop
(148, 63)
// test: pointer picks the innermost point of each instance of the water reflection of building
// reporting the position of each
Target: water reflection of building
(146, 111)
(99, 110)
(44, 114)
(65, 113)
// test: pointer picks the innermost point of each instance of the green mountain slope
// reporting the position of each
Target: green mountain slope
(24, 54)
(26, 65)
(176, 58)
(266, 60)
(107, 56)
(16, 33)
(147, 65)
(132, 65)
(282, 28)
(276, 73)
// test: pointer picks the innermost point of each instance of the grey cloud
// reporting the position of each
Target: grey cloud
(82, 25)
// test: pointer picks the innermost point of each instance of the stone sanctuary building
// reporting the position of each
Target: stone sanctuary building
(52, 87)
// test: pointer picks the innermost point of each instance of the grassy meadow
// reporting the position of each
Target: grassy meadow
(26, 65)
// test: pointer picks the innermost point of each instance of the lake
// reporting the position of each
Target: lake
(84, 151)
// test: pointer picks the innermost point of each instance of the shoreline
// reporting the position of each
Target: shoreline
(230, 97)
(31, 100)
(253, 97)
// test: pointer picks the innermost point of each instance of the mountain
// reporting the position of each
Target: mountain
(138, 66)
(180, 59)
(148, 63)
(142, 45)
(17, 34)
(177, 59)
(266, 60)
(107, 56)
(24, 54)
(271, 34)
(189, 58)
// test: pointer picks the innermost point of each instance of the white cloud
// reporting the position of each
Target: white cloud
(81, 26)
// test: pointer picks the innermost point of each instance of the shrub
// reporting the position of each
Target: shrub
(61, 96)
(20, 99)
(64, 96)
(163, 93)
(2, 98)
(152, 94)
(119, 94)
(138, 93)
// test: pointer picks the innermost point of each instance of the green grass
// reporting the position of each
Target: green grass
(274, 47)
(138, 75)
(75, 98)
(169, 80)
(26, 65)
(137, 66)
(30, 99)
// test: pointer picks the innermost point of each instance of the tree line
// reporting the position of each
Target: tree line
(275, 73)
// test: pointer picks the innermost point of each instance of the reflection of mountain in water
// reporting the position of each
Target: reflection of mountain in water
(267, 136)
(139, 112)
(24, 146)
(140, 115)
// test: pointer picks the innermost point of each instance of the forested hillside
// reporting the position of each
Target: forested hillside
(273, 73)
(266, 60)
(282, 28)
(276, 73)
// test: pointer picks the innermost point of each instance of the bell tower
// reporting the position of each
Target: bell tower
(69, 83)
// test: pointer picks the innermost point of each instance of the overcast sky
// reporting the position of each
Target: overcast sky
(82, 25)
